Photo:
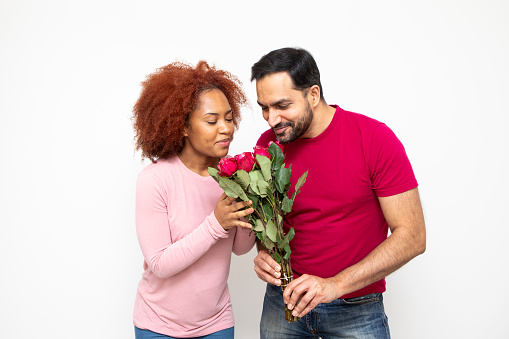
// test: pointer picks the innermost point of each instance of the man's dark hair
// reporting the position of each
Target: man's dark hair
(298, 62)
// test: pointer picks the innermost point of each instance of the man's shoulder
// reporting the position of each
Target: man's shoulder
(360, 119)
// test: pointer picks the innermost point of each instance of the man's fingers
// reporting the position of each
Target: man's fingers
(300, 314)
(265, 256)
(290, 290)
(266, 270)
(305, 301)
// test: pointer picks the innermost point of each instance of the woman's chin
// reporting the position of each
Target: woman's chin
(222, 153)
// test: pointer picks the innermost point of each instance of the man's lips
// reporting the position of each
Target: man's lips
(280, 130)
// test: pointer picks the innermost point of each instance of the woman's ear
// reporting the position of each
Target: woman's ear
(187, 125)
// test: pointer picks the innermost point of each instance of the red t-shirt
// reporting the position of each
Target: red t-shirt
(337, 217)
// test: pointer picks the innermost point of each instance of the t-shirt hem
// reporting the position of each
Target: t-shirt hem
(193, 334)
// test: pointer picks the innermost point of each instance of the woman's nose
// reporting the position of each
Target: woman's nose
(224, 128)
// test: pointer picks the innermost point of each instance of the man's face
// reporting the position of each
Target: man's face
(286, 109)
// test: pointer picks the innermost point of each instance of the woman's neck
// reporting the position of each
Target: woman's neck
(197, 164)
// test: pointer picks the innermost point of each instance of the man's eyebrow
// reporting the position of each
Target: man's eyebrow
(279, 102)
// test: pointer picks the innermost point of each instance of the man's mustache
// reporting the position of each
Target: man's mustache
(284, 124)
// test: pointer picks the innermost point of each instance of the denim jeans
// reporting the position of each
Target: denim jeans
(360, 318)
(146, 334)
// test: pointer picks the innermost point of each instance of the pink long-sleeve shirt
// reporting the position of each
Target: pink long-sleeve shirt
(183, 291)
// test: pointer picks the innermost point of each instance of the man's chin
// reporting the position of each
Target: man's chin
(283, 139)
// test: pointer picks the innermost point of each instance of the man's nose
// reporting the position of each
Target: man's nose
(274, 118)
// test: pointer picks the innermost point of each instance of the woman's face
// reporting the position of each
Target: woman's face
(210, 129)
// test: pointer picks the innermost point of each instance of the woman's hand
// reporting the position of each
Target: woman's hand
(228, 214)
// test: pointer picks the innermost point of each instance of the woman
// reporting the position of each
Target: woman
(187, 227)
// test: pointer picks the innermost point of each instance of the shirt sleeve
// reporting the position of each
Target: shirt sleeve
(163, 256)
(391, 171)
(244, 240)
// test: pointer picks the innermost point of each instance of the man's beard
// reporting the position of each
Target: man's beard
(296, 129)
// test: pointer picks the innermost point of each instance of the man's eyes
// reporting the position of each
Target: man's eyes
(280, 107)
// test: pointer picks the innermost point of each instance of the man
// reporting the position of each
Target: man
(360, 185)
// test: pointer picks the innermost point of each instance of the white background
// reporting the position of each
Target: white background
(436, 72)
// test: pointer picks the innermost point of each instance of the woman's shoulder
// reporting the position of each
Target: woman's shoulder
(160, 169)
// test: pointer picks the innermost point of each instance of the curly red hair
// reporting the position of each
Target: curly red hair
(168, 97)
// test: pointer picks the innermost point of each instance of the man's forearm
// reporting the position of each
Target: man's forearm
(397, 250)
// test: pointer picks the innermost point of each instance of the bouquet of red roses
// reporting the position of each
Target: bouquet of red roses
(262, 177)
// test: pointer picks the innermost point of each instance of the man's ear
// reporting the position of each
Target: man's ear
(314, 95)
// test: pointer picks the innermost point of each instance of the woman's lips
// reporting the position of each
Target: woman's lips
(224, 143)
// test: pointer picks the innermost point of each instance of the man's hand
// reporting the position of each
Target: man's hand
(308, 291)
(266, 268)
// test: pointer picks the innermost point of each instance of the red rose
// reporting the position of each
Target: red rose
(277, 143)
(261, 151)
(227, 166)
(245, 161)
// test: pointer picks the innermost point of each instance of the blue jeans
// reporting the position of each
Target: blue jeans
(360, 318)
(146, 334)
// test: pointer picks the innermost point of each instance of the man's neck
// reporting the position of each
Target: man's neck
(322, 117)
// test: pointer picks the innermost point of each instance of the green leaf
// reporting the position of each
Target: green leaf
(243, 179)
(287, 204)
(277, 257)
(301, 180)
(271, 230)
(295, 194)
(256, 175)
(279, 241)
(258, 227)
(263, 188)
(214, 173)
(276, 156)
(267, 242)
(288, 252)
(282, 178)
(265, 164)
(254, 199)
(267, 210)
(299, 184)
(232, 189)
(253, 189)
(289, 236)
